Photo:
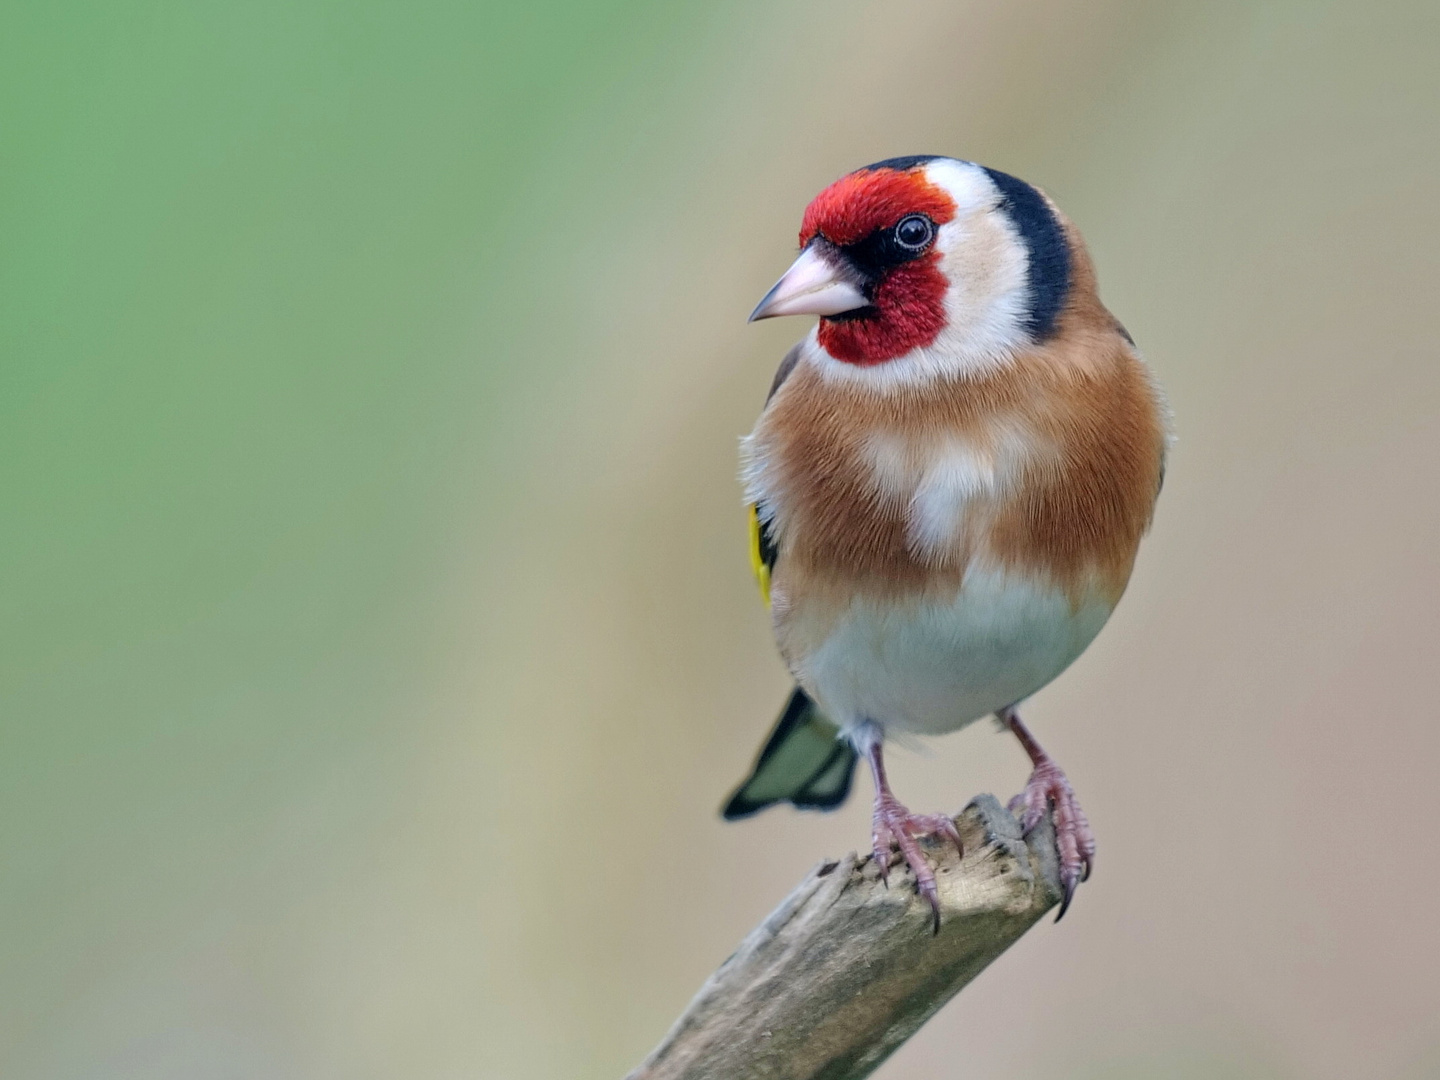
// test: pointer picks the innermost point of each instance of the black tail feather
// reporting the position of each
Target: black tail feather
(804, 763)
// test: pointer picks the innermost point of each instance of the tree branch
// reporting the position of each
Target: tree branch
(845, 970)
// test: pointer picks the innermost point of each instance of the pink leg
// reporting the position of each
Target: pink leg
(1047, 786)
(894, 824)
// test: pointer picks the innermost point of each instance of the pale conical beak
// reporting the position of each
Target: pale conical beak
(812, 286)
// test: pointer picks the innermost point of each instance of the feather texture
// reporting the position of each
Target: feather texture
(934, 536)
(803, 763)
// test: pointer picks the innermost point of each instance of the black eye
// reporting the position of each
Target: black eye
(914, 232)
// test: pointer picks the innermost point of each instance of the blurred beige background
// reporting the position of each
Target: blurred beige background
(382, 641)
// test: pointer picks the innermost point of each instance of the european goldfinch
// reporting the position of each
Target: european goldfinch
(948, 484)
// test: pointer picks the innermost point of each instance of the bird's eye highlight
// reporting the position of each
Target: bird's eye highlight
(914, 232)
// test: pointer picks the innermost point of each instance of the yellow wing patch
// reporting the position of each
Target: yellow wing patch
(757, 555)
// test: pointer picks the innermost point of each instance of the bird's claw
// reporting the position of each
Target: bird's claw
(1048, 787)
(896, 826)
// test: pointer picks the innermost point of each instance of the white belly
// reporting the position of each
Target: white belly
(931, 666)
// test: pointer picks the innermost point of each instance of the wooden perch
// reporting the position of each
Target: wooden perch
(845, 970)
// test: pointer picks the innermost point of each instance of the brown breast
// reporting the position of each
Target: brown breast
(1072, 434)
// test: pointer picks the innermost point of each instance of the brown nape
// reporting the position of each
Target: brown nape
(1086, 410)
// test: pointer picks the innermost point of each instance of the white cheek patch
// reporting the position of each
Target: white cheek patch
(986, 263)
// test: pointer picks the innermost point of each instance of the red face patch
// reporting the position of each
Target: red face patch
(854, 206)
(909, 299)
(909, 314)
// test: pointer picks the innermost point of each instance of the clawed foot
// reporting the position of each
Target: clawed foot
(895, 825)
(1076, 843)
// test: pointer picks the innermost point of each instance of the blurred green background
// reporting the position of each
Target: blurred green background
(376, 637)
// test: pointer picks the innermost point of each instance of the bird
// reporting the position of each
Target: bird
(947, 487)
